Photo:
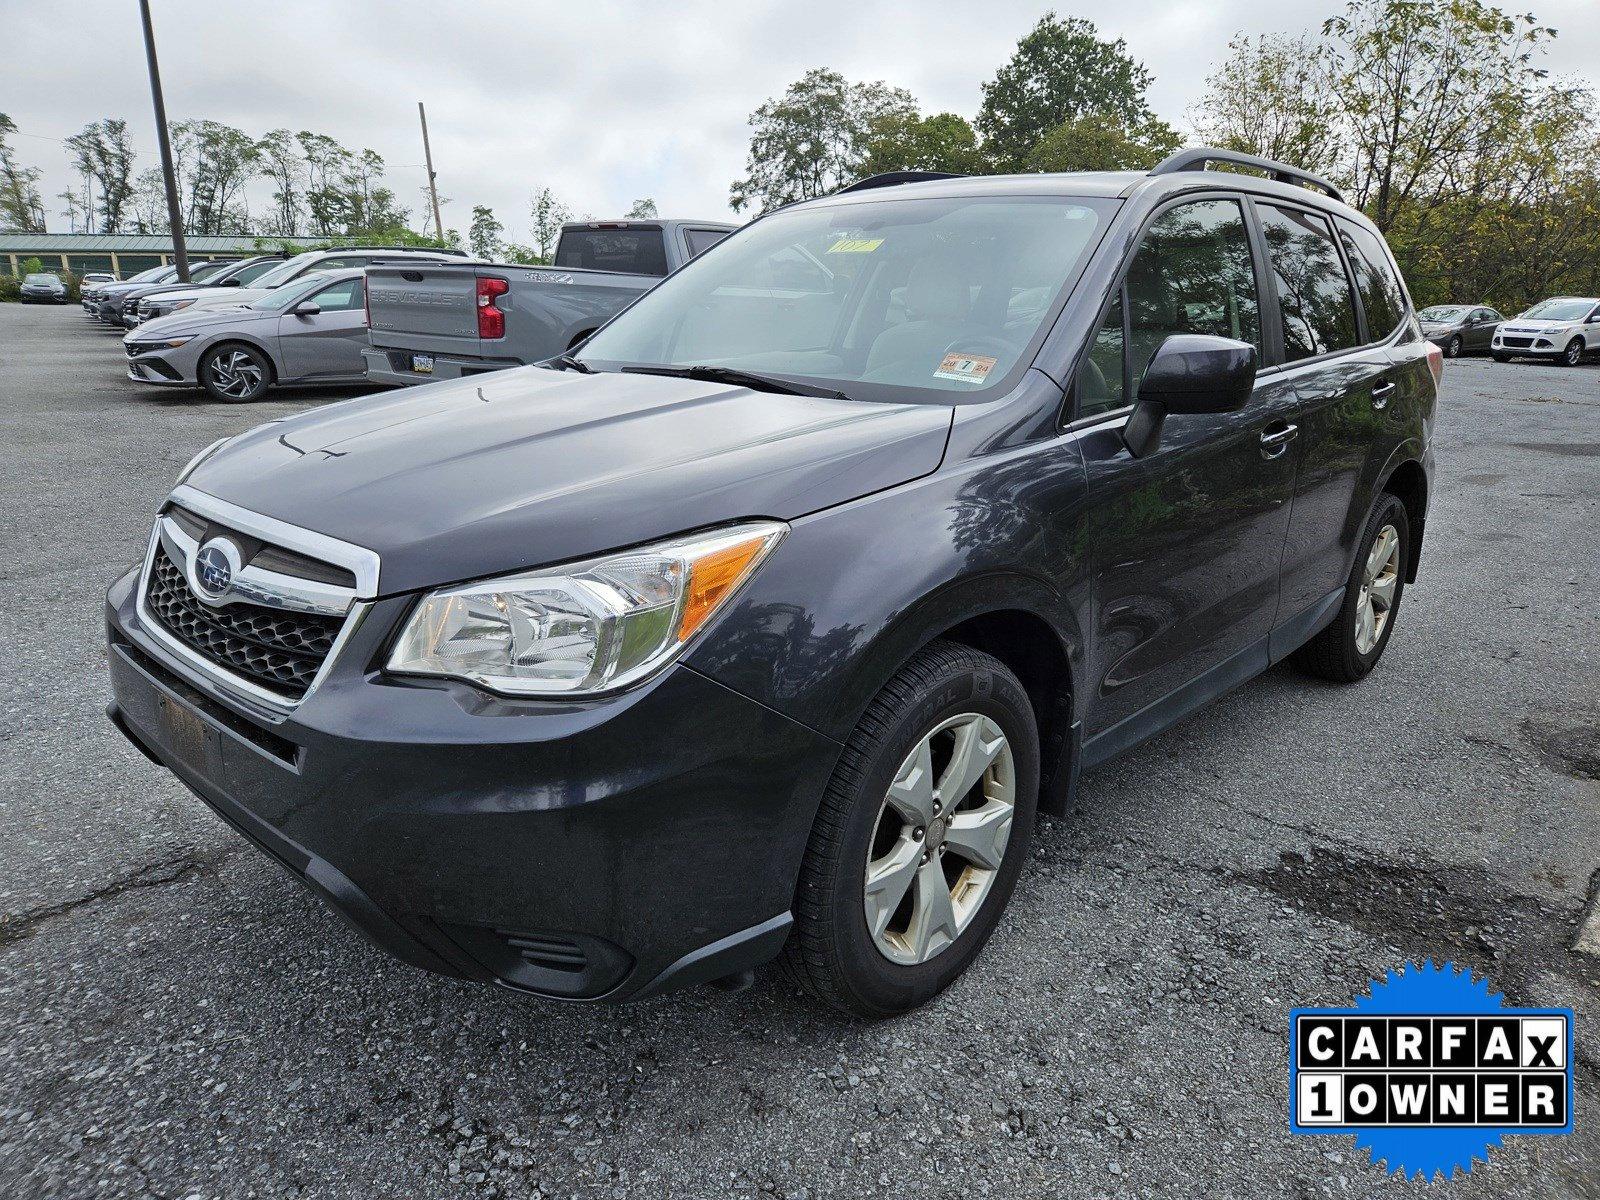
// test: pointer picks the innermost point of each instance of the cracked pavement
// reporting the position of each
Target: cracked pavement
(178, 1018)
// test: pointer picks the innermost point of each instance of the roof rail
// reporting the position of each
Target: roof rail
(417, 249)
(891, 178)
(1197, 158)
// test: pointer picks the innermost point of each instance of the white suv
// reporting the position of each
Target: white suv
(1563, 328)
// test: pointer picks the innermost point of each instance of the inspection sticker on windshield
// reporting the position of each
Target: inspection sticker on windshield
(965, 368)
(855, 245)
(1430, 1070)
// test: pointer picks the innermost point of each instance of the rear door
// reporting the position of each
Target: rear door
(1185, 541)
(1345, 379)
(328, 344)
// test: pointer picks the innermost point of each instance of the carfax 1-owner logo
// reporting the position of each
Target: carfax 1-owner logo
(1430, 1071)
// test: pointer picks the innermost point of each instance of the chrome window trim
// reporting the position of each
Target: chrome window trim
(354, 606)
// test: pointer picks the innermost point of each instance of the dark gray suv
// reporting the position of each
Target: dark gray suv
(766, 622)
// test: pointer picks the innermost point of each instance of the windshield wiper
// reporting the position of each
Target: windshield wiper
(731, 375)
(566, 362)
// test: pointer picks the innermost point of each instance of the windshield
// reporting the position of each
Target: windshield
(940, 295)
(206, 271)
(280, 298)
(41, 279)
(1443, 312)
(285, 270)
(1560, 310)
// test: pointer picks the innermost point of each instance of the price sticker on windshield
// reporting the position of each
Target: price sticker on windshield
(965, 368)
(855, 245)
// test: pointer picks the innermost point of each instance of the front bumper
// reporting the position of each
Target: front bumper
(1530, 345)
(390, 366)
(653, 838)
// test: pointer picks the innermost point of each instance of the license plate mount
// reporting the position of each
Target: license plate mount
(422, 364)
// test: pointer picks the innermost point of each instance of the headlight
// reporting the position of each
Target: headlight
(587, 627)
(172, 306)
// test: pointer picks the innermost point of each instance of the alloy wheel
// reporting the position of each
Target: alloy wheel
(1380, 580)
(1574, 354)
(236, 374)
(940, 838)
(1454, 348)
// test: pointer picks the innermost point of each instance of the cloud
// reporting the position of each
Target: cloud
(603, 102)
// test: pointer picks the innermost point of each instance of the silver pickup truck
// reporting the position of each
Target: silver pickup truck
(445, 320)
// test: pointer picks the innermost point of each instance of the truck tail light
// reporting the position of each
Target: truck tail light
(491, 321)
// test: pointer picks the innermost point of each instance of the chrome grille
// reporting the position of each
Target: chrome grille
(276, 649)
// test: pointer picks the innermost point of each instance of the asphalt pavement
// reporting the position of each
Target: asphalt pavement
(179, 1018)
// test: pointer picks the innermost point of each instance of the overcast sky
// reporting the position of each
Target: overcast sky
(603, 102)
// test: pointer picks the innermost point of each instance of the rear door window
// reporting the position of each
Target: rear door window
(1314, 294)
(1381, 294)
(701, 240)
(631, 251)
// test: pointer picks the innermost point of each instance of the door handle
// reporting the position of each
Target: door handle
(1381, 391)
(1274, 441)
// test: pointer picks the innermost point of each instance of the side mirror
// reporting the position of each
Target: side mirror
(307, 308)
(1189, 373)
(230, 283)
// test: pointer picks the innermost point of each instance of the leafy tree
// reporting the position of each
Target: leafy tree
(1097, 142)
(1417, 80)
(71, 207)
(1273, 96)
(549, 215)
(643, 210)
(280, 162)
(908, 142)
(149, 202)
(223, 161)
(1061, 70)
(815, 138)
(485, 233)
(21, 207)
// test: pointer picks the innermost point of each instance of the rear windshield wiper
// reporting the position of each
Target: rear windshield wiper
(566, 362)
(753, 380)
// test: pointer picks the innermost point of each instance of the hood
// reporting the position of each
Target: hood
(1525, 325)
(219, 296)
(186, 323)
(522, 468)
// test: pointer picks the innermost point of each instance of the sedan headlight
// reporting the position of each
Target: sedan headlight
(585, 628)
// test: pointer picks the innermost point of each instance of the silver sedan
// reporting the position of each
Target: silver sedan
(309, 331)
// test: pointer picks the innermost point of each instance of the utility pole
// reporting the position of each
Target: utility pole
(180, 252)
(427, 157)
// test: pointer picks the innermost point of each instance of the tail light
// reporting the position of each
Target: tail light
(491, 321)
(1436, 363)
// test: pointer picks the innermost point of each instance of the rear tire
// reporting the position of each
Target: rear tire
(862, 945)
(1350, 647)
(234, 373)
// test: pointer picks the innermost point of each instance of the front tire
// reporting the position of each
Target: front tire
(1348, 649)
(1453, 347)
(1572, 354)
(234, 373)
(920, 836)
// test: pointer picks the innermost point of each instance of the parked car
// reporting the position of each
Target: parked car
(309, 331)
(90, 294)
(163, 300)
(314, 260)
(451, 320)
(1562, 328)
(765, 621)
(109, 300)
(90, 278)
(1459, 329)
(43, 287)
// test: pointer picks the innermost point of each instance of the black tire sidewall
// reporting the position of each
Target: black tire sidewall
(879, 986)
(1453, 349)
(208, 361)
(1388, 511)
(1570, 359)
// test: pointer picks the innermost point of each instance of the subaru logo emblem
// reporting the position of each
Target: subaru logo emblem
(214, 567)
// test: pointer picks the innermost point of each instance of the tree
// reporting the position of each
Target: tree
(1417, 80)
(549, 215)
(1273, 96)
(224, 160)
(484, 235)
(21, 207)
(815, 138)
(279, 161)
(1097, 142)
(942, 142)
(326, 163)
(643, 210)
(149, 202)
(1061, 70)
